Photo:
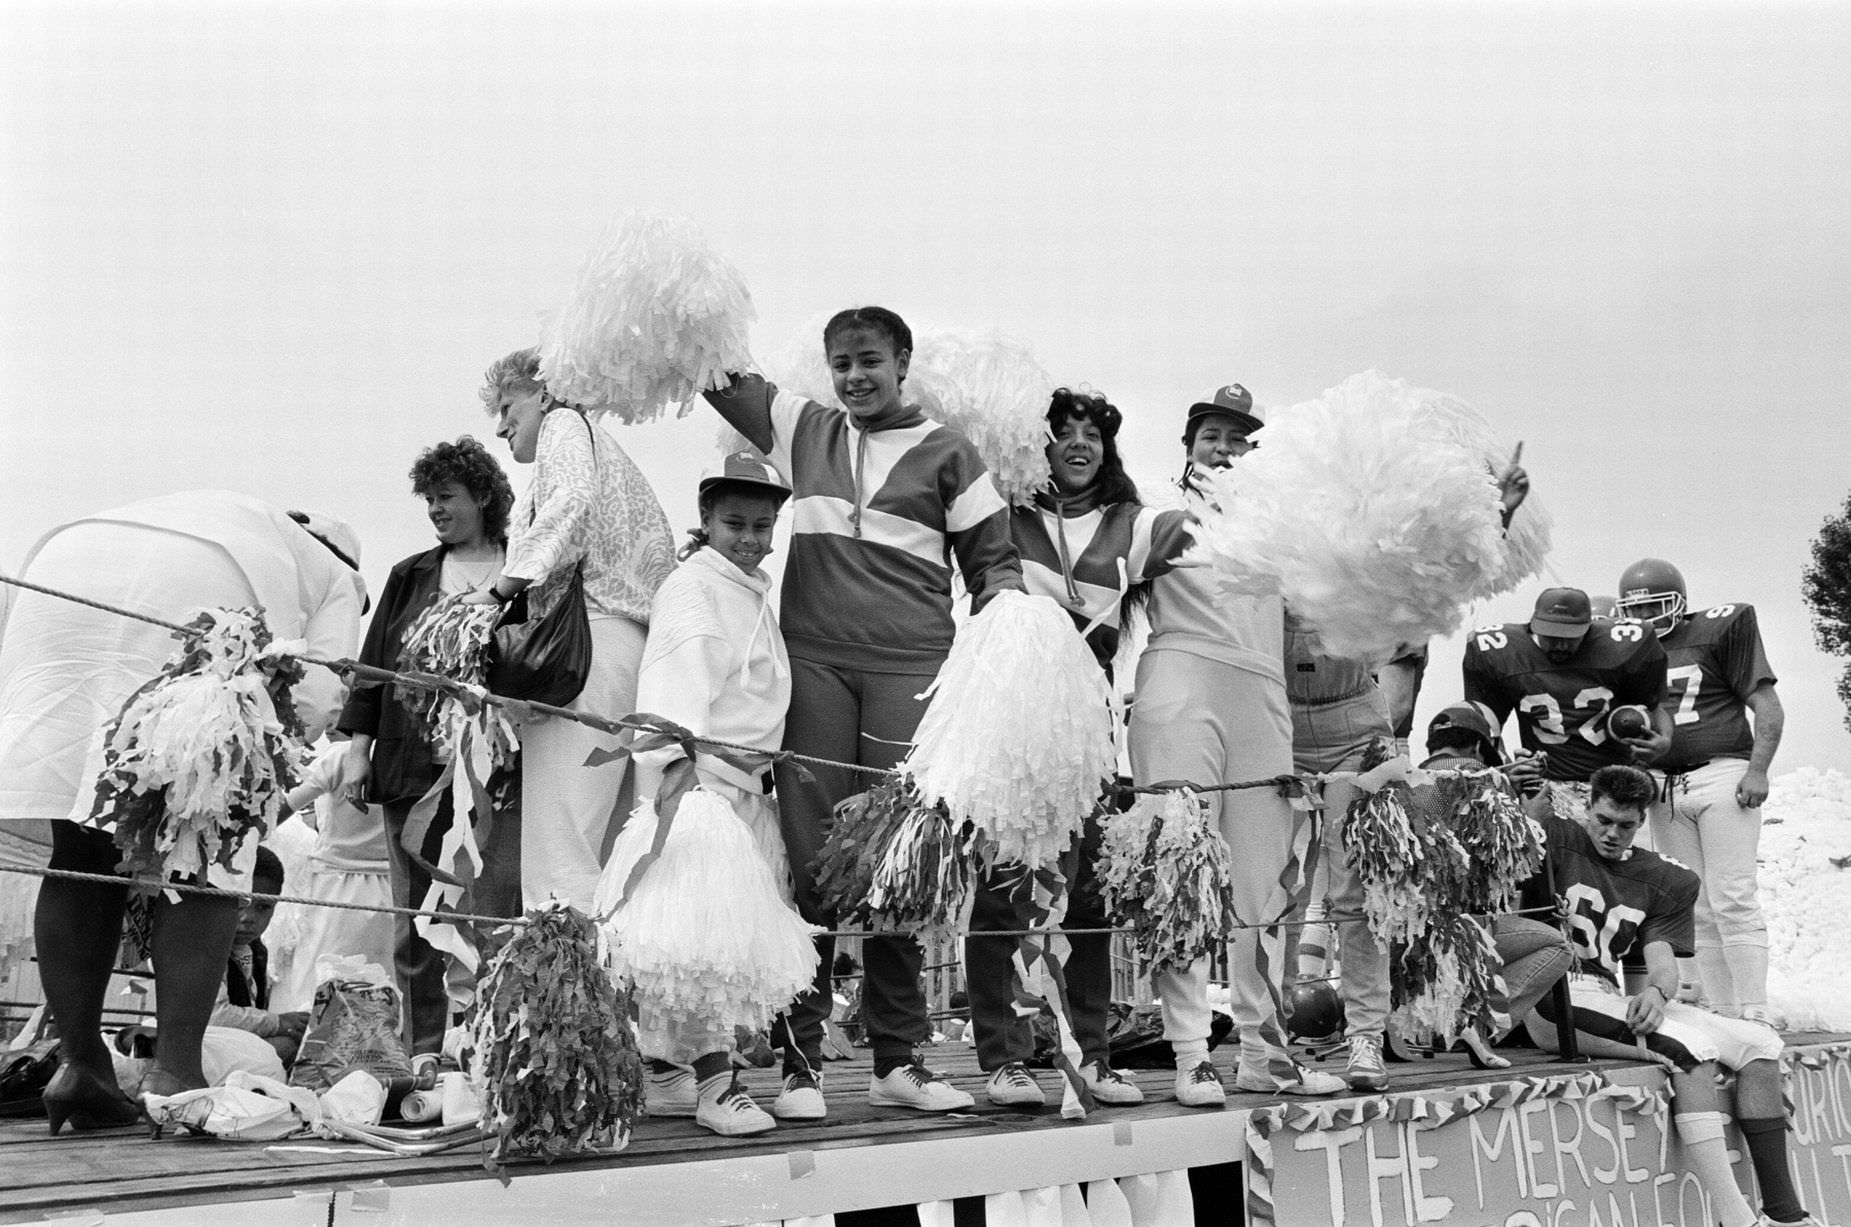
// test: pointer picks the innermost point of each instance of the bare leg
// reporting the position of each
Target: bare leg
(192, 942)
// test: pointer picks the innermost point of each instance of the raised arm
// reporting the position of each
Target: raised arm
(746, 405)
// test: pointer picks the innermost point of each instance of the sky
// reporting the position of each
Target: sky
(272, 247)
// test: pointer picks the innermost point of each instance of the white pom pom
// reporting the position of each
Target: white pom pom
(706, 935)
(800, 366)
(1374, 511)
(655, 318)
(992, 390)
(1017, 738)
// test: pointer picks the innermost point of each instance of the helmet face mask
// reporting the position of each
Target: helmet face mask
(1660, 610)
(1652, 591)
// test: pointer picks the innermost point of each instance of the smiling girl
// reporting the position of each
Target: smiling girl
(884, 500)
(715, 664)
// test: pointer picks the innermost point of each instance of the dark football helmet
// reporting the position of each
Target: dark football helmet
(1652, 590)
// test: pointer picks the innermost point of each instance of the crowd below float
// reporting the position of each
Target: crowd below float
(586, 809)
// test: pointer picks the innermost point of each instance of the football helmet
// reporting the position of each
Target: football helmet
(1652, 590)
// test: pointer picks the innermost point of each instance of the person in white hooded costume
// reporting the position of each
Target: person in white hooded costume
(715, 664)
(66, 670)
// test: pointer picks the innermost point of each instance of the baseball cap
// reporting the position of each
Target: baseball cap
(1235, 402)
(1473, 718)
(746, 469)
(1562, 613)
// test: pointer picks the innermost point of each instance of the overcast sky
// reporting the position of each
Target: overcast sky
(272, 247)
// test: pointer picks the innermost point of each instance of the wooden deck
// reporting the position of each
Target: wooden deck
(858, 1161)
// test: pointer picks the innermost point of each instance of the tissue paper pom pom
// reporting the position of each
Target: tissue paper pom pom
(200, 757)
(706, 936)
(1017, 738)
(1374, 511)
(922, 880)
(452, 639)
(555, 1059)
(993, 391)
(655, 318)
(1166, 871)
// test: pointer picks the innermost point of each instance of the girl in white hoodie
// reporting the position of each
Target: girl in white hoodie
(715, 664)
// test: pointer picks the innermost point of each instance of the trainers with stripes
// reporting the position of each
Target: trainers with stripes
(801, 1098)
(1199, 1086)
(671, 1091)
(1110, 1087)
(727, 1109)
(1365, 1071)
(1013, 1086)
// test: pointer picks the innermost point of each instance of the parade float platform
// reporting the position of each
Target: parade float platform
(1543, 1144)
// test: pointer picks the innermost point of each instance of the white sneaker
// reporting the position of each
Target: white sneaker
(915, 1086)
(726, 1109)
(672, 1092)
(1306, 1082)
(1366, 1071)
(1013, 1086)
(801, 1098)
(1199, 1086)
(1110, 1087)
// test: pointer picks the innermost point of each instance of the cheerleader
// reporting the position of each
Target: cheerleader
(707, 931)
(886, 499)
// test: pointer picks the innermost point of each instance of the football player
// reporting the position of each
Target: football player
(1715, 773)
(1620, 899)
(1561, 672)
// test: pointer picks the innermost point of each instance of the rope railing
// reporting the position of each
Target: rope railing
(436, 683)
(1294, 784)
(243, 896)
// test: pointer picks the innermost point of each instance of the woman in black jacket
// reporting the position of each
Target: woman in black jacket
(391, 761)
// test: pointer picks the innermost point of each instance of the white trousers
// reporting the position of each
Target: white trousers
(1702, 827)
(1206, 722)
(566, 807)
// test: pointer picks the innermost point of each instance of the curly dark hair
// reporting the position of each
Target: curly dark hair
(1627, 787)
(1113, 485)
(470, 465)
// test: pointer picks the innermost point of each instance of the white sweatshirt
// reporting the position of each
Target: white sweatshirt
(715, 664)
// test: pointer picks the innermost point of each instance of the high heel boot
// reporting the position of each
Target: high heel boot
(80, 1097)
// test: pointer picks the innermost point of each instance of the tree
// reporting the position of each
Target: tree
(1826, 586)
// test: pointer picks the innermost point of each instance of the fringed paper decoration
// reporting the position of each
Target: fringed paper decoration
(993, 391)
(1435, 851)
(1374, 511)
(451, 638)
(705, 935)
(200, 758)
(478, 745)
(554, 1056)
(655, 318)
(800, 365)
(1166, 871)
(1017, 738)
(844, 867)
(893, 863)
(922, 878)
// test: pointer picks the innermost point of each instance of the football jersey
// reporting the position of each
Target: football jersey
(1617, 907)
(1715, 662)
(1562, 708)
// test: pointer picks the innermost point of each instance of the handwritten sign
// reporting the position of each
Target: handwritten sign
(1572, 1151)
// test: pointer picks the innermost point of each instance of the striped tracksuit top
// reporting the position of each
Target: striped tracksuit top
(877, 518)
